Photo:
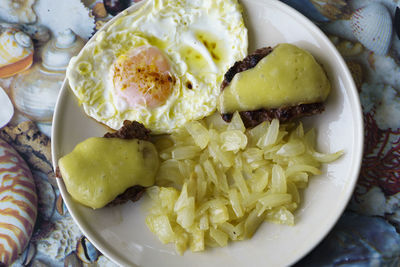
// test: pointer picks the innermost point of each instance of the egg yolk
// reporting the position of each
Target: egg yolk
(142, 77)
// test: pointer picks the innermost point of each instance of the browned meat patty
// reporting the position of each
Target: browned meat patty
(133, 194)
(130, 130)
(255, 117)
(247, 63)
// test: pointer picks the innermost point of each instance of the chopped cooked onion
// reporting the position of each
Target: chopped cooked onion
(218, 181)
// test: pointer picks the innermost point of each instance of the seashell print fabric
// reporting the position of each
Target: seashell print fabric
(10, 50)
(18, 204)
(372, 26)
(16, 52)
(365, 32)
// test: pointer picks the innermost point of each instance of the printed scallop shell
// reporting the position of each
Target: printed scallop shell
(34, 92)
(372, 26)
(18, 204)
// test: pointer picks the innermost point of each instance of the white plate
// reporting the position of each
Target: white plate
(120, 232)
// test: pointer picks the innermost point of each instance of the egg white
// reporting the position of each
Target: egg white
(201, 39)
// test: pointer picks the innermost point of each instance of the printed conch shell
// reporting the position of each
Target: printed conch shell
(372, 26)
(16, 52)
(17, 11)
(57, 53)
(18, 204)
(34, 92)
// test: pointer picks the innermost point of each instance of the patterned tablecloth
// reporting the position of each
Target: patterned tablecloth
(366, 32)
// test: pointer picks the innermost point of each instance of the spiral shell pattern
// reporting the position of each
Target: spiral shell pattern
(18, 204)
(16, 52)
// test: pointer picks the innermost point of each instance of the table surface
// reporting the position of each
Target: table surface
(368, 231)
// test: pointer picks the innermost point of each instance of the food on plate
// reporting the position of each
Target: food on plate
(219, 181)
(285, 82)
(160, 65)
(214, 181)
(110, 169)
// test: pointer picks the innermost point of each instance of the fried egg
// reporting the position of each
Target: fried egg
(160, 65)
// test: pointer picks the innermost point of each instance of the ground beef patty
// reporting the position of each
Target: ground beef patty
(130, 130)
(255, 117)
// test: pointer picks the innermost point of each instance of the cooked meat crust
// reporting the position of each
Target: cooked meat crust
(133, 194)
(284, 114)
(255, 117)
(247, 63)
(130, 130)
